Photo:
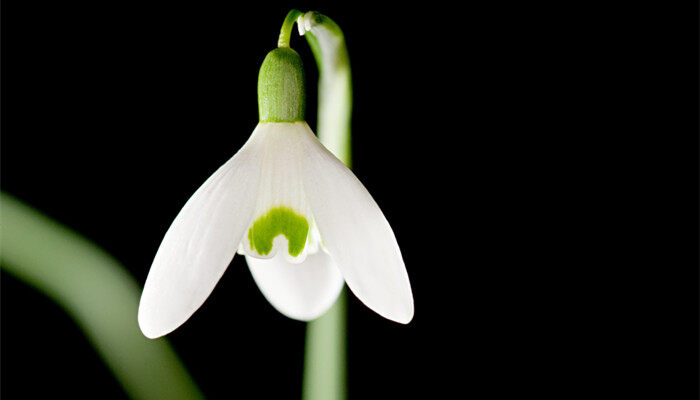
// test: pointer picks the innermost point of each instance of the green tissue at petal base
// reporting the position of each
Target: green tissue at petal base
(279, 221)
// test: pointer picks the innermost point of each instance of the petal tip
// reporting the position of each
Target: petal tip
(148, 328)
(402, 318)
(150, 331)
(151, 335)
(150, 325)
(402, 314)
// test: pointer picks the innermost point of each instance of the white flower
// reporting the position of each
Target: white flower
(312, 225)
(302, 219)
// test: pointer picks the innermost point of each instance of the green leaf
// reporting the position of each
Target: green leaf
(98, 293)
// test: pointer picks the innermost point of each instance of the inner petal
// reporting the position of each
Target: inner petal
(282, 220)
(279, 221)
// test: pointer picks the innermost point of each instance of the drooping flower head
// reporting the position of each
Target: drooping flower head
(302, 219)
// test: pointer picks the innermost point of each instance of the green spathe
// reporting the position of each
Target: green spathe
(281, 83)
(279, 221)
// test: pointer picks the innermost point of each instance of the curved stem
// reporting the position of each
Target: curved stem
(287, 26)
(327, 43)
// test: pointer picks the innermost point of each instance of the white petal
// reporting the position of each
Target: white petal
(356, 234)
(300, 291)
(201, 242)
(282, 212)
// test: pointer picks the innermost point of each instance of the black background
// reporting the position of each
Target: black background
(538, 166)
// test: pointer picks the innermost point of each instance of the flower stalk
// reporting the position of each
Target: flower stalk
(287, 26)
(326, 339)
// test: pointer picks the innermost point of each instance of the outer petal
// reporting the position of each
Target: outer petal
(201, 242)
(300, 291)
(356, 234)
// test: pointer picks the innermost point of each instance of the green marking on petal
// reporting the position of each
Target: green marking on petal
(279, 221)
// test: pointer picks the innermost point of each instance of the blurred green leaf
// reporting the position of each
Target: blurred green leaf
(98, 293)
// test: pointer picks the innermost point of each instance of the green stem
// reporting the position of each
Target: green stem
(98, 293)
(324, 358)
(327, 43)
(326, 341)
(287, 26)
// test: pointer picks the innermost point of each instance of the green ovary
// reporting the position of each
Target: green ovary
(279, 221)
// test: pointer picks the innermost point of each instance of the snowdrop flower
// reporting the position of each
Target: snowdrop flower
(302, 219)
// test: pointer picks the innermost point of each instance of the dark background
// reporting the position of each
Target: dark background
(538, 165)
